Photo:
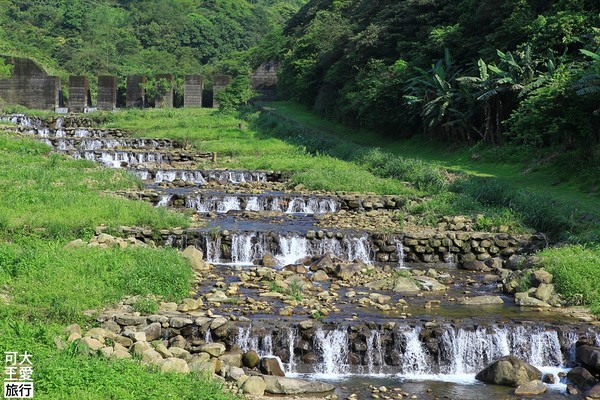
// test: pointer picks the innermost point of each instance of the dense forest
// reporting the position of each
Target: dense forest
(123, 37)
(519, 71)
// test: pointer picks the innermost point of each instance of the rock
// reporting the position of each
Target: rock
(345, 272)
(233, 359)
(180, 322)
(430, 284)
(214, 349)
(476, 266)
(120, 354)
(481, 300)
(515, 262)
(73, 328)
(324, 263)
(255, 386)
(153, 331)
(107, 352)
(73, 337)
(194, 256)
(163, 351)
(544, 291)
(532, 388)
(593, 393)
(269, 261)
(289, 386)
(199, 358)
(581, 378)
(590, 356)
(250, 359)
(217, 297)
(320, 276)
(523, 299)
(139, 348)
(129, 320)
(540, 276)
(549, 378)
(123, 341)
(75, 243)
(306, 324)
(111, 326)
(235, 373)
(178, 341)
(90, 344)
(178, 352)
(175, 365)
(137, 336)
(405, 285)
(508, 371)
(152, 356)
(271, 366)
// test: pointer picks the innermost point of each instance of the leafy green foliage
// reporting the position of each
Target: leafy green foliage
(575, 270)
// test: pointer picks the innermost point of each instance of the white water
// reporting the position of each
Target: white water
(170, 176)
(213, 248)
(415, 358)
(375, 356)
(292, 249)
(242, 249)
(333, 348)
(226, 203)
(401, 254)
(291, 339)
(598, 339)
(311, 205)
(164, 201)
(358, 249)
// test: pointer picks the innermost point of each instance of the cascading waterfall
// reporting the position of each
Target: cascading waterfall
(333, 348)
(213, 248)
(291, 340)
(252, 204)
(401, 254)
(414, 359)
(164, 201)
(374, 356)
(358, 249)
(598, 339)
(229, 203)
(242, 249)
(245, 340)
(292, 249)
(311, 205)
(170, 176)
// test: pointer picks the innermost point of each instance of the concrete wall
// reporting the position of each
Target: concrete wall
(192, 91)
(107, 93)
(264, 80)
(30, 85)
(79, 88)
(136, 95)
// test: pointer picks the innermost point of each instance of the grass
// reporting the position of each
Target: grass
(46, 192)
(70, 375)
(575, 270)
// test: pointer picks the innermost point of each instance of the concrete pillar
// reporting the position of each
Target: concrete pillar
(107, 93)
(29, 85)
(192, 91)
(219, 83)
(164, 94)
(79, 87)
(136, 96)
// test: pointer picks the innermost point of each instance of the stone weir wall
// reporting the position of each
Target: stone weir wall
(473, 250)
(400, 347)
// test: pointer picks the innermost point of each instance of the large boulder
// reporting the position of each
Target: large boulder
(172, 364)
(289, 386)
(195, 258)
(590, 356)
(581, 378)
(481, 300)
(345, 272)
(271, 366)
(509, 371)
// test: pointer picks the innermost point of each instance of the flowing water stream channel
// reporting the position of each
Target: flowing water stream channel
(430, 352)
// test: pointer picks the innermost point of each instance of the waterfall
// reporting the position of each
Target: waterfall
(245, 340)
(267, 346)
(333, 350)
(374, 356)
(331, 246)
(164, 201)
(253, 205)
(213, 248)
(170, 176)
(450, 260)
(414, 359)
(208, 336)
(291, 339)
(598, 339)
(60, 133)
(358, 249)
(81, 133)
(242, 250)
(401, 255)
(143, 174)
(228, 203)
(311, 205)
(275, 206)
(292, 249)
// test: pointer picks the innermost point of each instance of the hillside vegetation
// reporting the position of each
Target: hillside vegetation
(519, 72)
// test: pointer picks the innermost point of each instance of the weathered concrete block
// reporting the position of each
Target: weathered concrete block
(30, 85)
(164, 91)
(107, 93)
(264, 80)
(136, 95)
(192, 91)
(79, 88)
(220, 82)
